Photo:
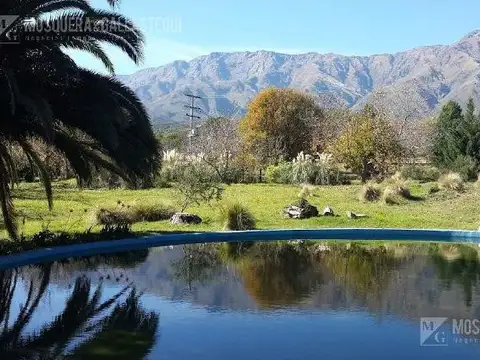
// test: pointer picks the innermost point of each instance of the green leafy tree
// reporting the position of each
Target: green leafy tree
(457, 139)
(196, 184)
(93, 120)
(367, 145)
(279, 123)
(447, 145)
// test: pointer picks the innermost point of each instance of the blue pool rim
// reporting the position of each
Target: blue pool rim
(138, 243)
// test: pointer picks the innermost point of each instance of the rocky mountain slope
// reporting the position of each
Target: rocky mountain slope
(227, 81)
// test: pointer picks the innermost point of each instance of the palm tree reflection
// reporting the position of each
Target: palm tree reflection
(87, 328)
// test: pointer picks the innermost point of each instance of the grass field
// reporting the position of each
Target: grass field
(73, 209)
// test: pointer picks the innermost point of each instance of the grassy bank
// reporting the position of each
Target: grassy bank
(74, 209)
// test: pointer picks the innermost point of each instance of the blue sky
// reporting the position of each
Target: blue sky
(186, 29)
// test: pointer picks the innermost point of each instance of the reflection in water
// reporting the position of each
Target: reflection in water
(463, 269)
(278, 277)
(199, 263)
(199, 290)
(102, 325)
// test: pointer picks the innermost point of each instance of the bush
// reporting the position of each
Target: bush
(306, 191)
(452, 181)
(151, 213)
(197, 184)
(237, 217)
(318, 169)
(420, 173)
(396, 191)
(115, 217)
(370, 192)
(122, 214)
(466, 167)
(390, 196)
(433, 189)
(279, 174)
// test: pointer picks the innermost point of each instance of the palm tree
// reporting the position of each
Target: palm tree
(119, 328)
(93, 120)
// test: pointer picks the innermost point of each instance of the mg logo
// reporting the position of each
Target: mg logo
(6, 21)
(433, 331)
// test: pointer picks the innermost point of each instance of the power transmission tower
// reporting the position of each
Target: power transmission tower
(192, 116)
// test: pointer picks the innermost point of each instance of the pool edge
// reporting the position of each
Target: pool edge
(341, 234)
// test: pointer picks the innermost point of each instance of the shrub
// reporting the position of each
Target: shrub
(390, 196)
(370, 192)
(151, 213)
(466, 167)
(318, 169)
(452, 181)
(279, 174)
(396, 191)
(114, 217)
(238, 217)
(123, 214)
(196, 184)
(306, 191)
(420, 173)
(434, 189)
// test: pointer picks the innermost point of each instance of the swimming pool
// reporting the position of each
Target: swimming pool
(238, 301)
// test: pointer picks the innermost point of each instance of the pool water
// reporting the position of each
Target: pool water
(261, 301)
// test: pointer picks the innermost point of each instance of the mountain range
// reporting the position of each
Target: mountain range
(228, 81)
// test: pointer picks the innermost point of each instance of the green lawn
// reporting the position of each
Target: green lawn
(73, 208)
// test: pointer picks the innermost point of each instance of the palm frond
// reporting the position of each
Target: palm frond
(44, 175)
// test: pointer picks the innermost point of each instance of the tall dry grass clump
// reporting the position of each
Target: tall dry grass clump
(306, 191)
(396, 191)
(237, 217)
(452, 181)
(123, 214)
(370, 192)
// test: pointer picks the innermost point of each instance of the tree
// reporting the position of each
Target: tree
(457, 139)
(93, 120)
(407, 111)
(446, 146)
(450, 135)
(196, 184)
(471, 129)
(279, 123)
(218, 143)
(367, 145)
(172, 139)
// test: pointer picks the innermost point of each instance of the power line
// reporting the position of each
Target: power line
(192, 115)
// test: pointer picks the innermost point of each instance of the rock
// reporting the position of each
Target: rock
(328, 211)
(302, 210)
(185, 219)
(352, 215)
(322, 248)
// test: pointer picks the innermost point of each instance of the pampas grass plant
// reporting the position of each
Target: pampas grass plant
(452, 181)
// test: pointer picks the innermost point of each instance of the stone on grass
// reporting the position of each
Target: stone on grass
(185, 219)
(352, 215)
(302, 210)
(328, 211)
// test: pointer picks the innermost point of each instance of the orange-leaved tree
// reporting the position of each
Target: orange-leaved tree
(279, 124)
